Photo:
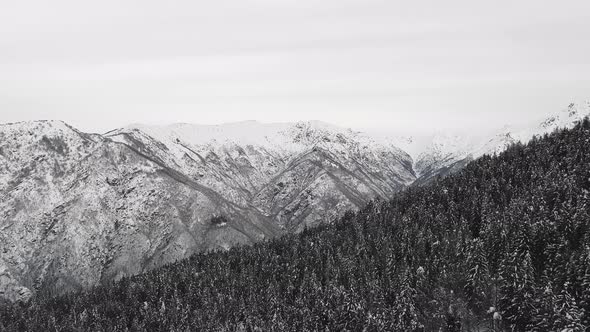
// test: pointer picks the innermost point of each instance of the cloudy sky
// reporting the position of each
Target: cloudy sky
(396, 65)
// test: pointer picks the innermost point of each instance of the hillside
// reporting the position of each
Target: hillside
(506, 238)
(297, 175)
(81, 209)
(445, 153)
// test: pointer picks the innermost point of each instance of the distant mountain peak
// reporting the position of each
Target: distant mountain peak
(46, 126)
(567, 116)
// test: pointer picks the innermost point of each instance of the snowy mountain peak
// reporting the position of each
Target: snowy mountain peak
(280, 136)
(566, 117)
(21, 141)
(448, 151)
(48, 127)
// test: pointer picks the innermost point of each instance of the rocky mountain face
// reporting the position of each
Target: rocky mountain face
(294, 175)
(80, 209)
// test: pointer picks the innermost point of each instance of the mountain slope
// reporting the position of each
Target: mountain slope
(446, 153)
(502, 244)
(297, 174)
(79, 210)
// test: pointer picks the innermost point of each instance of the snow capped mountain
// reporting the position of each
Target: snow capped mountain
(279, 168)
(508, 135)
(80, 209)
(447, 153)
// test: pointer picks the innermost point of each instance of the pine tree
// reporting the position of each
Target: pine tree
(568, 313)
(585, 296)
(478, 281)
(517, 285)
(544, 315)
(404, 310)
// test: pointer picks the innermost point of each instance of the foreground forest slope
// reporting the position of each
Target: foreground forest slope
(502, 244)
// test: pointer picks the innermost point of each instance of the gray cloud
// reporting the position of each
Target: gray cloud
(356, 63)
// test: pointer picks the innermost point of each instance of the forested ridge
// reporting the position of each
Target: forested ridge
(502, 245)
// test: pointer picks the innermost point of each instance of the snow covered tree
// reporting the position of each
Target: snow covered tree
(585, 296)
(517, 285)
(404, 310)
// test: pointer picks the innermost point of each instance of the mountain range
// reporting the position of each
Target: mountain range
(81, 209)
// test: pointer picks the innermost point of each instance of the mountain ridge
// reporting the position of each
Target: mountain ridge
(79, 209)
(501, 245)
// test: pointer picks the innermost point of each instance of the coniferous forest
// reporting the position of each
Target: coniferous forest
(503, 245)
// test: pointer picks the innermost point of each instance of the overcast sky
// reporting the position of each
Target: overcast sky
(399, 65)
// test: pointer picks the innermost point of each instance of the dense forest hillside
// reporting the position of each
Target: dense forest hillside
(502, 245)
